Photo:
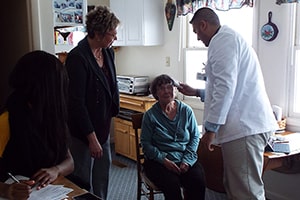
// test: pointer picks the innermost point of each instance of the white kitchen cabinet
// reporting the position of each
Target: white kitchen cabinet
(142, 22)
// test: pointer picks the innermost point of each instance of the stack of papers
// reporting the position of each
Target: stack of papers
(51, 192)
(285, 143)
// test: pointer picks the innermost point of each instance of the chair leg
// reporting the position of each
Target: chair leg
(151, 194)
(139, 191)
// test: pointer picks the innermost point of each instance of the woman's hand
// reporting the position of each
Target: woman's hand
(184, 167)
(170, 165)
(94, 146)
(19, 191)
(45, 176)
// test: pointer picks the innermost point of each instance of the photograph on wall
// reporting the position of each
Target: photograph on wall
(68, 12)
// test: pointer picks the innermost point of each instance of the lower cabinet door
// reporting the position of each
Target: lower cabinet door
(121, 136)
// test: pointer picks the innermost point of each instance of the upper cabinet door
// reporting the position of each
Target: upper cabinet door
(117, 6)
(141, 22)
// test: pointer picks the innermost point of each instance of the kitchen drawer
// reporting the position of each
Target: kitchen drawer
(136, 103)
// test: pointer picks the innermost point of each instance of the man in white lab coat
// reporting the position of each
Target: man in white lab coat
(237, 111)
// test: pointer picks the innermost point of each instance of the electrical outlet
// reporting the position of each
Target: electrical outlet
(167, 61)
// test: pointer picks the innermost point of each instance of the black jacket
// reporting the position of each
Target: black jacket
(93, 101)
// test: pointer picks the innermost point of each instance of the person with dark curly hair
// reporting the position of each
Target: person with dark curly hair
(94, 100)
(170, 139)
(34, 134)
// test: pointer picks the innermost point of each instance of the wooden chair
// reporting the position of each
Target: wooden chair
(145, 187)
(212, 162)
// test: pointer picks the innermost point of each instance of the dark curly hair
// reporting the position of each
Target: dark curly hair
(158, 81)
(102, 20)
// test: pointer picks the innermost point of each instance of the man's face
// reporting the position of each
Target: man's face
(199, 29)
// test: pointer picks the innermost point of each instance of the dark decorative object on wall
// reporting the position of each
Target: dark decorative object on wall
(269, 31)
(170, 11)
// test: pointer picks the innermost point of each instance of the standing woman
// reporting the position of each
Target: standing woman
(94, 99)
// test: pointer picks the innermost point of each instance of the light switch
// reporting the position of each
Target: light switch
(167, 61)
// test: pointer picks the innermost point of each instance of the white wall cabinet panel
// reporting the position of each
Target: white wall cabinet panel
(117, 6)
(141, 22)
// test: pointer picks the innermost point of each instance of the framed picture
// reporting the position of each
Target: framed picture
(69, 12)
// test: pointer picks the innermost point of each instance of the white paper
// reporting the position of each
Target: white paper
(51, 192)
(277, 112)
(286, 143)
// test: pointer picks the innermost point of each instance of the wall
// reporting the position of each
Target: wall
(42, 25)
(98, 2)
(273, 56)
(135, 60)
(14, 40)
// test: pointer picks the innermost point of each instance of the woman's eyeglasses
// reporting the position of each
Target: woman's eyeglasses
(114, 35)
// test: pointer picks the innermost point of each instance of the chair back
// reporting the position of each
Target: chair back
(137, 125)
(212, 162)
(145, 186)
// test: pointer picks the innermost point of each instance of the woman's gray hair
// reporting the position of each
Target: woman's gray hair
(101, 20)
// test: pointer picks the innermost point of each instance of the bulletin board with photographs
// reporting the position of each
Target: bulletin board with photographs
(69, 12)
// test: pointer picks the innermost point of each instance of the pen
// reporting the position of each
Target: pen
(13, 177)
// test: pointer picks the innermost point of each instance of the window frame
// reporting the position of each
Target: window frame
(294, 70)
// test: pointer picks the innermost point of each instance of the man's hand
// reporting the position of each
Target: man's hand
(187, 90)
(207, 140)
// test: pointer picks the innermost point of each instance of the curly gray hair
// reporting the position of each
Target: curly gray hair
(101, 20)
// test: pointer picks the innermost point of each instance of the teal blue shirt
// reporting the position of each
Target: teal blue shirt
(175, 139)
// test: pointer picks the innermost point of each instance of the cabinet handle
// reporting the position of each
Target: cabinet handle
(131, 103)
(123, 131)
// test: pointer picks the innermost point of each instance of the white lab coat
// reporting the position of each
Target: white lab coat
(235, 95)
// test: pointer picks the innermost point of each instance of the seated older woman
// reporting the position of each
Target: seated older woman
(170, 139)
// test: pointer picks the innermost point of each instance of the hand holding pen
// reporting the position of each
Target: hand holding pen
(13, 178)
(20, 189)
